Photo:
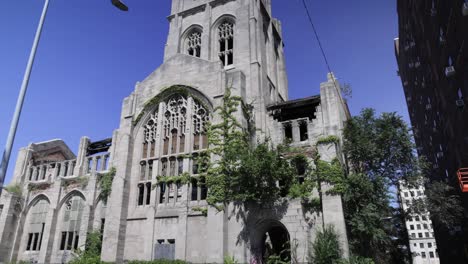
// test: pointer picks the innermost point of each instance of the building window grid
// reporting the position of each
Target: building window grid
(37, 224)
(73, 213)
(226, 43)
(174, 125)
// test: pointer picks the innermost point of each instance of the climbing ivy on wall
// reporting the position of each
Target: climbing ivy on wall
(106, 180)
(238, 171)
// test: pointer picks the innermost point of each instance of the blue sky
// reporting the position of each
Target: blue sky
(91, 55)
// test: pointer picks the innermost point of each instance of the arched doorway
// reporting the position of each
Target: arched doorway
(271, 242)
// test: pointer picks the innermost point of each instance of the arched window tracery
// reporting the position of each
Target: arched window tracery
(226, 43)
(37, 220)
(170, 135)
(193, 43)
(71, 223)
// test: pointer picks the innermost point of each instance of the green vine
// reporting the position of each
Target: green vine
(106, 180)
(82, 181)
(14, 189)
(328, 140)
(35, 186)
(202, 210)
(184, 178)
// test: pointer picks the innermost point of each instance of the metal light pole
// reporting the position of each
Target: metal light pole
(19, 103)
(24, 86)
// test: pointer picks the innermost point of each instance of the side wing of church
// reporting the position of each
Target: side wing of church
(212, 45)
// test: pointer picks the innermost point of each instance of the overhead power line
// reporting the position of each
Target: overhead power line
(316, 36)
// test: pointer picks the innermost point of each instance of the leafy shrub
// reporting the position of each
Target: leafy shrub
(326, 247)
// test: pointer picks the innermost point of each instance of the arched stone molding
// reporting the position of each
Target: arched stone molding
(186, 33)
(150, 105)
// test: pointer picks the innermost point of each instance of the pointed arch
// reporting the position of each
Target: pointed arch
(191, 41)
(36, 199)
(69, 195)
(223, 39)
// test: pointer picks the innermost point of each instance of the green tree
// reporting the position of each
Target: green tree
(380, 152)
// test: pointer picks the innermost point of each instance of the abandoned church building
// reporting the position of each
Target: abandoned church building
(211, 45)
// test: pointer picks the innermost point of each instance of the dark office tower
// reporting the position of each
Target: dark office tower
(432, 55)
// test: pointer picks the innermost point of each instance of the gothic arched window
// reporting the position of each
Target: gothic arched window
(73, 213)
(36, 225)
(193, 43)
(172, 136)
(226, 43)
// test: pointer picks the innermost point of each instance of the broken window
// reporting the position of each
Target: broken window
(303, 131)
(162, 192)
(148, 193)
(203, 189)
(172, 168)
(194, 192)
(226, 43)
(194, 44)
(288, 133)
(71, 226)
(180, 166)
(195, 165)
(164, 167)
(36, 225)
(141, 193)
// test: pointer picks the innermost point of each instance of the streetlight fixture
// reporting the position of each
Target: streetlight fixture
(24, 86)
(119, 5)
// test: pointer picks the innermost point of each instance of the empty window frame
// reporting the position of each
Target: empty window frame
(193, 43)
(288, 132)
(73, 213)
(144, 185)
(226, 43)
(303, 131)
(199, 190)
(36, 225)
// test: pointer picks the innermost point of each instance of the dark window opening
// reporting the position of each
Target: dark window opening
(63, 240)
(194, 195)
(77, 238)
(103, 222)
(288, 133)
(141, 191)
(148, 192)
(180, 166)
(30, 239)
(162, 191)
(36, 241)
(70, 240)
(203, 189)
(171, 241)
(164, 167)
(195, 165)
(303, 131)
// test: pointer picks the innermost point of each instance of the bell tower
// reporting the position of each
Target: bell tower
(241, 35)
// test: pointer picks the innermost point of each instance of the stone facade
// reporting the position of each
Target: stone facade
(211, 46)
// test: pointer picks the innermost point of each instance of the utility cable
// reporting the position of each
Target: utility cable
(321, 48)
